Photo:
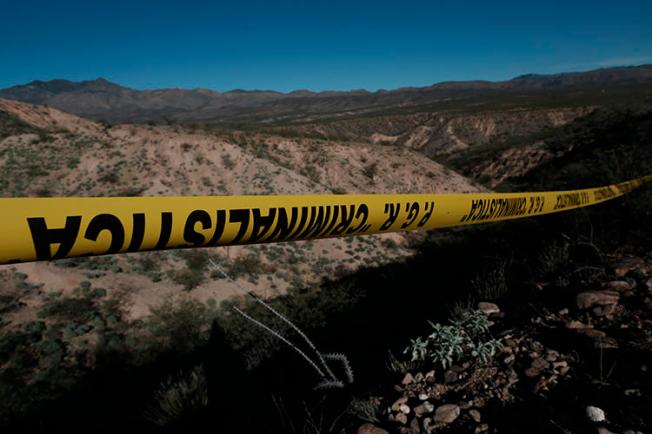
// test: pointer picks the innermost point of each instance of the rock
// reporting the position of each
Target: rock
(563, 312)
(418, 378)
(560, 364)
(537, 366)
(618, 285)
(488, 308)
(551, 355)
(626, 265)
(408, 379)
(604, 430)
(404, 408)
(588, 299)
(447, 413)
(401, 418)
(509, 359)
(481, 428)
(450, 376)
(576, 325)
(423, 396)
(370, 428)
(607, 310)
(397, 404)
(592, 333)
(632, 392)
(595, 414)
(475, 415)
(428, 425)
(424, 408)
(430, 376)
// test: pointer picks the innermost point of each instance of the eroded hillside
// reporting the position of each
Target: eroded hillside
(57, 154)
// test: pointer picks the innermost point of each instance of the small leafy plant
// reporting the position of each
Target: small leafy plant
(466, 338)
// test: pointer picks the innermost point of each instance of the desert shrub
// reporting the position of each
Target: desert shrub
(466, 338)
(179, 396)
(189, 279)
(491, 282)
(371, 170)
(67, 308)
(553, 256)
(178, 323)
(228, 162)
(245, 264)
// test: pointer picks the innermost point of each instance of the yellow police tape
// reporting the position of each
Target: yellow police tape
(52, 228)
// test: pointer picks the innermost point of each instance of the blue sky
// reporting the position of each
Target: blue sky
(286, 45)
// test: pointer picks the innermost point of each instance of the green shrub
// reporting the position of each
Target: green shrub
(467, 338)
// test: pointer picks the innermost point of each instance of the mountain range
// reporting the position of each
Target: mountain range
(103, 100)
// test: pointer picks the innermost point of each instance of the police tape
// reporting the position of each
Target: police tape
(53, 228)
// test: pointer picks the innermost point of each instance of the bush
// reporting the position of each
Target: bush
(178, 323)
(467, 338)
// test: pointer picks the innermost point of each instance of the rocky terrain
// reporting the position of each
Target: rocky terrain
(581, 355)
(545, 321)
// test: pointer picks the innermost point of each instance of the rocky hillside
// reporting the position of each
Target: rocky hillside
(45, 152)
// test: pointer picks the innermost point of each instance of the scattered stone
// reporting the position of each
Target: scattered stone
(370, 428)
(401, 418)
(592, 333)
(626, 265)
(633, 392)
(537, 366)
(576, 325)
(450, 376)
(424, 408)
(488, 308)
(604, 430)
(423, 396)
(588, 299)
(619, 285)
(648, 283)
(418, 378)
(560, 364)
(481, 428)
(595, 414)
(551, 355)
(509, 359)
(428, 425)
(397, 404)
(607, 310)
(408, 379)
(447, 413)
(475, 415)
(430, 376)
(563, 312)
(404, 408)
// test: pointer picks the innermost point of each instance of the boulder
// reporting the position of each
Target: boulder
(424, 408)
(588, 299)
(488, 308)
(595, 414)
(447, 413)
(626, 265)
(408, 379)
(370, 428)
(619, 285)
